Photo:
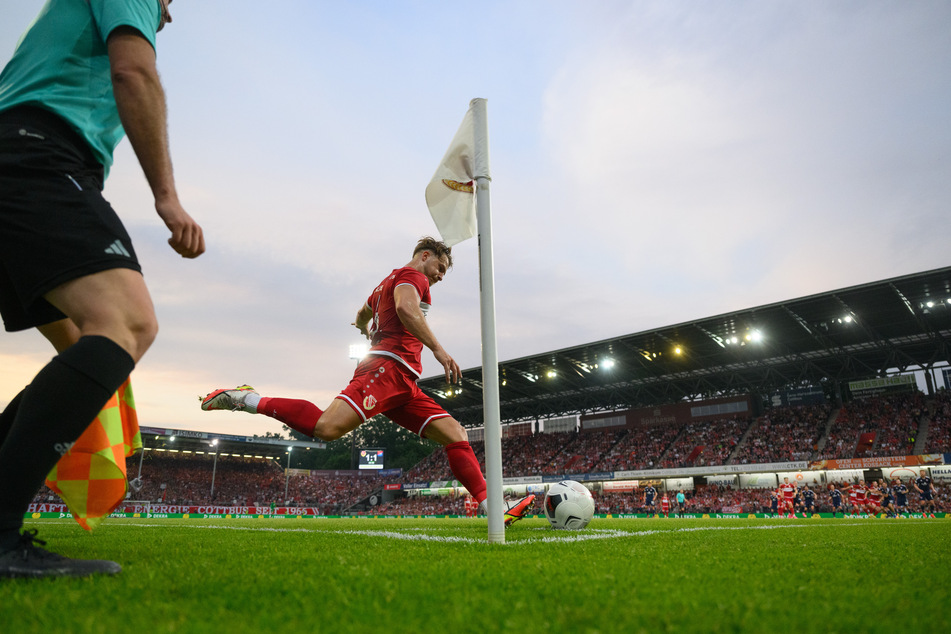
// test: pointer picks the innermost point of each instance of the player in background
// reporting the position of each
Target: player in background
(788, 490)
(808, 501)
(797, 502)
(853, 495)
(681, 503)
(82, 77)
(665, 505)
(649, 494)
(901, 497)
(774, 495)
(471, 506)
(393, 318)
(873, 499)
(925, 488)
(861, 498)
(835, 497)
(888, 502)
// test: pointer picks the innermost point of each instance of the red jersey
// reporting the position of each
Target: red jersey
(664, 504)
(388, 336)
(875, 495)
(789, 490)
(859, 493)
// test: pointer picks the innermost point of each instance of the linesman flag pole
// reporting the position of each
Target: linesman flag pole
(458, 199)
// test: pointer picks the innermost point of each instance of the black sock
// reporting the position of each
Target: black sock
(62, 401)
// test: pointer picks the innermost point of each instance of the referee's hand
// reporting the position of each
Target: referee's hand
(187, 237)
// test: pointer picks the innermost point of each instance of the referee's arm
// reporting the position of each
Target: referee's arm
(140, 101)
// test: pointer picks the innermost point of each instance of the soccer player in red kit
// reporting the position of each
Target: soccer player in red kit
(393, 318)
(665, 506)
(861, 499)
(853, 496)
(788, 489)
(873, 499)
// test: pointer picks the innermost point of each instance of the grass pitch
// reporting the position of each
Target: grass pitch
(440, 575)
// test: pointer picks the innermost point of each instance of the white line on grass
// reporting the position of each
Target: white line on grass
(561, 537)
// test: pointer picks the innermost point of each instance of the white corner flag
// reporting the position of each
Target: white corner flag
(450, 194)
(459, 187)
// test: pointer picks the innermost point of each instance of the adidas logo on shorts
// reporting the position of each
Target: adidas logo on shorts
(116, 248)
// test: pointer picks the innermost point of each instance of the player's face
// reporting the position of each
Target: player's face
(435, 268)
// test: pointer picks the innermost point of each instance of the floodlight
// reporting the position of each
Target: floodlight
(607, 364)
(552, 374)
(171, 438)
(756, 335)
(678, 350)
(358, 350)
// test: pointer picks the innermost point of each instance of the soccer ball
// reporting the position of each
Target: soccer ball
(569, 505)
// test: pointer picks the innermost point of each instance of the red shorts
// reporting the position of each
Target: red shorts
(383, 386)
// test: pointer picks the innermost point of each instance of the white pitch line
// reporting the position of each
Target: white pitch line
(561, 537)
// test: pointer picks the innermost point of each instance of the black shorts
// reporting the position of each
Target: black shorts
(55, 226)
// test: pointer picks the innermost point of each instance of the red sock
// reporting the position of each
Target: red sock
(466, 468)
(297, 414)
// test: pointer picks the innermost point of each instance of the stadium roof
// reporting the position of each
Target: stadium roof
(186, 441)
(823, 340)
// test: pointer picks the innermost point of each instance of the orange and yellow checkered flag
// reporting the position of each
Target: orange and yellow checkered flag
(91, 476)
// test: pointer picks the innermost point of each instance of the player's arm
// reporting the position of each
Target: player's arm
(140, 100)
(411, 315)
(362, 321)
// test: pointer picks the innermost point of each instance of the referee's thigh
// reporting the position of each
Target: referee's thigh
(114, 303)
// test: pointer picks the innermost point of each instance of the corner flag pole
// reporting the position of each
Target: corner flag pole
(490, 354)
(458, 199)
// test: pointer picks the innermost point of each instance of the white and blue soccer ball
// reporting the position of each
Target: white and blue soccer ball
(569, 505)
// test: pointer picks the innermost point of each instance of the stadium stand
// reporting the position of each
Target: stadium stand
(939, 427)
(890, 421)
(639, 449)
(785, 434)
(779, 435)
(705, 443)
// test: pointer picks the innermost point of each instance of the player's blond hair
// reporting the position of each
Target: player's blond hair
(434, 246)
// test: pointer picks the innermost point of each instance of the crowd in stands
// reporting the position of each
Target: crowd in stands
(705, 443)
(639, 449)
(893, 419)
(423, 505)
(939, 429)
(180, 479)
(785, 435)
(779, 435)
